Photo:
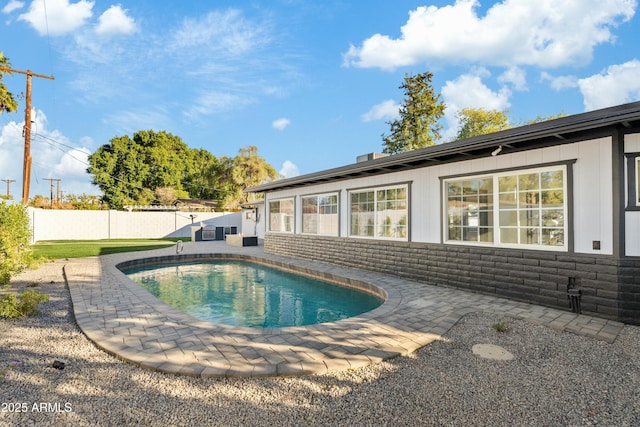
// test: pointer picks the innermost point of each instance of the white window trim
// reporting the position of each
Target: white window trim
(496, 210)
(268, 208)
(334, 193)
(375, 212)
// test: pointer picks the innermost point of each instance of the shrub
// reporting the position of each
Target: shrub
(25, 304)
(15, 250)
(502, 327)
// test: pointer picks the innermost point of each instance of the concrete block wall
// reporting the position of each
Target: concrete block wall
(88, 225)
(609, 286)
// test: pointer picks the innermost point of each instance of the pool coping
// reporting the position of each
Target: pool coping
(125, 320)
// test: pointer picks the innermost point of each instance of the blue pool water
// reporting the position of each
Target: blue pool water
(242, 293)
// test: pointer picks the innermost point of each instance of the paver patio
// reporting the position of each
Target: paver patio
(125, 320)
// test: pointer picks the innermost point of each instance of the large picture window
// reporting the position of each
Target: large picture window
(522, 208)
(281, 215)
(379, 212)
(320, 214)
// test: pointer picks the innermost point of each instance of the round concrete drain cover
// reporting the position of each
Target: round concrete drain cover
(490, 351)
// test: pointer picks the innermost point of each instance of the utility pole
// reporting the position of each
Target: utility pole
(58, 194)
(8, 181)
(26, 169)
(51, 181)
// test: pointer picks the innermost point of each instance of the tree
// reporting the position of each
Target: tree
(417, 125)
(157, 167)
(82, 202)
(476, 121)
(543, 119)
(245, 170)
(203, 174)
(7, 101)
(128, 170)
(15, 253)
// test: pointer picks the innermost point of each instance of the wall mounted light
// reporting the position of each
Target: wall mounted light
(497, 151)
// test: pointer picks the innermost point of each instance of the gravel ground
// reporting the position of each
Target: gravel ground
(555, 379)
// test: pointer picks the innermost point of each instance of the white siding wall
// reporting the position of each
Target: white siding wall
(592, 195)
(252, 224)
(632, 218)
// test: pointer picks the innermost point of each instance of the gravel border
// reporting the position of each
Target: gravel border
(555, 379)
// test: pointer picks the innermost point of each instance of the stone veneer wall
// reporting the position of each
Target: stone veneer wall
(610, 287)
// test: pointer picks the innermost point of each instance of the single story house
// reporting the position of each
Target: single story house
(530, 213)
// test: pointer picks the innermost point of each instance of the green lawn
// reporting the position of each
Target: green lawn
(55, 249)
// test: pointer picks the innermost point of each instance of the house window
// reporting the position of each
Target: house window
(470, 210)
(281, 215)
(638, 181)
(379, 213)
(320, 214)
(633, 181)
(523, 208)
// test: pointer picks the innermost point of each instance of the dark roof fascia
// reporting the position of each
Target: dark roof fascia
(552, 132)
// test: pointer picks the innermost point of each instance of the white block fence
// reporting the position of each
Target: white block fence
(92, 225)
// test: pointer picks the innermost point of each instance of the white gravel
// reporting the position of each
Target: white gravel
(554, 379)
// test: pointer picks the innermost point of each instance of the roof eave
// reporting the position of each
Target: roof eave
(624, 114)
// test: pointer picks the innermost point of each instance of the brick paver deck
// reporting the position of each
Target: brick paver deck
(125, 320)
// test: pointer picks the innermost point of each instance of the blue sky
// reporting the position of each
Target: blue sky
(311, 84)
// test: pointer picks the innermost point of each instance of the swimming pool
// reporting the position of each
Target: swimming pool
(243, 293)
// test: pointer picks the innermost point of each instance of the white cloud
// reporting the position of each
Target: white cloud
(281, 124)
(386, 110)
(53, 156)
(73, 163)
(115, 21)
(12, 5)
(468, 91)
(130, 121)
(216, 102)
(227, 31)
(511, 32)
(515, 76)
(289, 169)
(560, 82)
(618, 84)
(59, 17)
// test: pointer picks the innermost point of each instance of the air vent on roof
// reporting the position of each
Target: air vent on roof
(369, 156)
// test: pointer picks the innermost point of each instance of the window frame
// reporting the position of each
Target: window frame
(293, 214)
(495, 226)
(406, 186)
(318, 214)
(633, 181)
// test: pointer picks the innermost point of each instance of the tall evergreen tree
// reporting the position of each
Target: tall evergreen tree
(417, 125)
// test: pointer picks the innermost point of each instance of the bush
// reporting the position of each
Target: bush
(15, 236)
(25, 304)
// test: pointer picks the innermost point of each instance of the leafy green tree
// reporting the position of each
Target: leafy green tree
(418, 124)
(203, 174)
(83, 202)
(157, 167)
(477, 121)
(245, 170)
(7, 101)
(128, 170)
(15, 251)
